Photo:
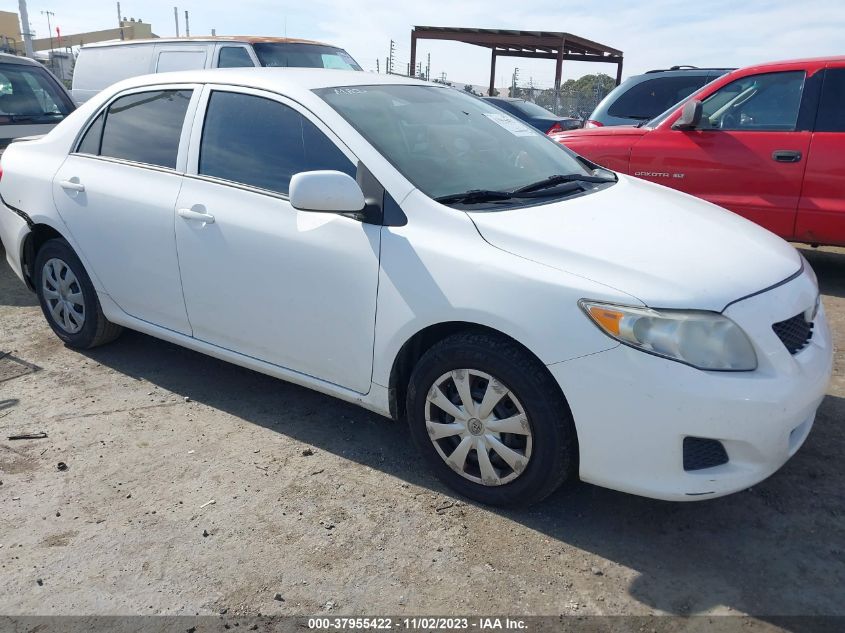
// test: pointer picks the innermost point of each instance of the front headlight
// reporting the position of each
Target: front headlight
(705, 340)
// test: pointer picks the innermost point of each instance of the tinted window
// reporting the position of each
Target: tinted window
(304, 56)
(831, 117)
(91, 141)
(234, 57)
(532, 109)
(263, 143)
(766, 102)
(145, 127)
(651, 97)
(28, 95)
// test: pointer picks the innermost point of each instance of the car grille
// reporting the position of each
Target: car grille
(701, 453)
(794, 333)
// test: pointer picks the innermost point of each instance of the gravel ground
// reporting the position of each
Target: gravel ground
(327, 505)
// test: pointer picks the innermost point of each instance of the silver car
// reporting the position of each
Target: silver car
(642, 97)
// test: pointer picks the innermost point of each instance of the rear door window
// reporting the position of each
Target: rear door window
(144, 127)
(262, 143)
(831, 116)
(28, 96)
(651, 97)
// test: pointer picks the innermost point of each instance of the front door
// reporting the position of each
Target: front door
(288, 287)
(117, 193)
(747, 155)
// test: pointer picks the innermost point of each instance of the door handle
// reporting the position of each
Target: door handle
(70, 185)
(190, 214)
(786, 156)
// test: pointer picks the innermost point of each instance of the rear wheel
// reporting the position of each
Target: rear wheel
(490, 420)
(68, 299)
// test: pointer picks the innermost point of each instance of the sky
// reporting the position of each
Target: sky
(651, 33)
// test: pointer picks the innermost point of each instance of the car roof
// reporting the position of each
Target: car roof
(248, 39)
(686, 69)
(505, 98)
(17, 59)
(287, 80)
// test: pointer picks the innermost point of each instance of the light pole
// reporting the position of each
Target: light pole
(50, 30)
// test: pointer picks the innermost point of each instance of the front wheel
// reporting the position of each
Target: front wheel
(68, 299)
(490, 420)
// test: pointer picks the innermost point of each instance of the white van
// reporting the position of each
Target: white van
(100, 65)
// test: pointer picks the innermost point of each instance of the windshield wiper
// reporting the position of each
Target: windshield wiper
(559, 179)
(475, 195)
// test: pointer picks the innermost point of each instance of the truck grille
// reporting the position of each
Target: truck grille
(794, 333)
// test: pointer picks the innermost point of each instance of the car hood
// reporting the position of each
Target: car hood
(666, 248)
(616, 130)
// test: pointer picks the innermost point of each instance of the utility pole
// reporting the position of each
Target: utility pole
(176, 19)
(428, 68)
(391, 58)
(377, 69)
(120, 22)
(187, 28)
(50, 30)
(25, 31)
(514, 79)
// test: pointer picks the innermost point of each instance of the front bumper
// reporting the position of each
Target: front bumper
(633, 410)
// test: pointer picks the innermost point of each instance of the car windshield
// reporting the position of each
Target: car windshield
(28, 96)
(299, 55)
(447, 142)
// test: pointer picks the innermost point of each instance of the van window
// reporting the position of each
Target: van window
(27, 96)
(651, 97)
(296, 55)
(234, 57)
(831, 117)
(145, 127)
(263, 143)
(180, 60)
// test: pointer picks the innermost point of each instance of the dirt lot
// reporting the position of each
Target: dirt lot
(151, 433)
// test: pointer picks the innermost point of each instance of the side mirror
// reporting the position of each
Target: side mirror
(690, 116)
(325, 192)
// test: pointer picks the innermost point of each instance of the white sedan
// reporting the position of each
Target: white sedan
(412, 249)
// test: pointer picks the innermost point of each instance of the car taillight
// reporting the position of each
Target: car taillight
(591, 123)
(555, 128)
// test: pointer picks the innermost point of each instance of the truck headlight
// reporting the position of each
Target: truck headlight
(704, 340)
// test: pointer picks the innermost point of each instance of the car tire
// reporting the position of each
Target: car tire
(68, 299)
(543, 452)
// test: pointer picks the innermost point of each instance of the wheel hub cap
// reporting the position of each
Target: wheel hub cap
(478, 427)
(63, 296)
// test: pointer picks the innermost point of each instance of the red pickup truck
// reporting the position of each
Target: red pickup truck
(767, 142)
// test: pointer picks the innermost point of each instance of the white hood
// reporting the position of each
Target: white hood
(668, 249)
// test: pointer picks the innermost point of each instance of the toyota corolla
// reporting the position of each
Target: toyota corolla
(404, 246)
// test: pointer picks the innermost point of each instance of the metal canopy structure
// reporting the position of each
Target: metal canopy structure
(532, 44)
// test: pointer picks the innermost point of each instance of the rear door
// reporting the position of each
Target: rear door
(117, 191)
(821, 211)
(747, 155)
